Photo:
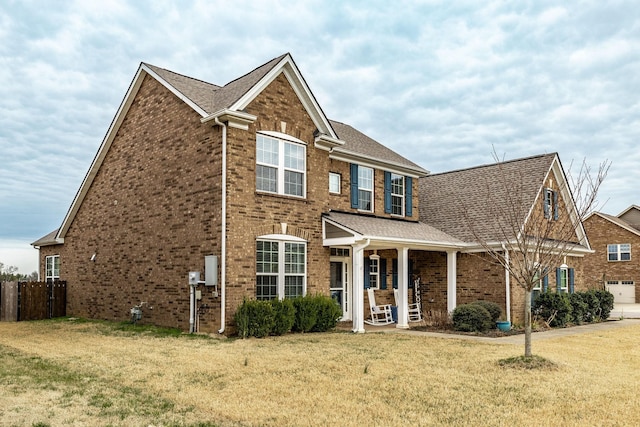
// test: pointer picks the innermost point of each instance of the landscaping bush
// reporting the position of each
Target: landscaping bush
(553, 308)
(306, 313)
(328, 313)
(592, 301)
(254, 319)
(471, 318)
(284, 314)
(606, 302)
(494, 309)
(579, 308)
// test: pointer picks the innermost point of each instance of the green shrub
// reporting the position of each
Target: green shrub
(471, 318)
(328, 313)
(606, 302)
(284, 314)
(254, 318)
(306, 314)
(579, 308)
(554, 308)
(494, 309)
(592, 301)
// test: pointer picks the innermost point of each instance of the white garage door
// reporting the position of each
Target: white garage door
(624, 291)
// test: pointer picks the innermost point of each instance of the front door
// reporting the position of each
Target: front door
(339, 286)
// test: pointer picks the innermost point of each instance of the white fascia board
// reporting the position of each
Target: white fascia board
(235, 119)
(299, 85)
(327, 143)
(102, 151)
(351, 157)
(175, 91)
(414, 243)
(340, 241)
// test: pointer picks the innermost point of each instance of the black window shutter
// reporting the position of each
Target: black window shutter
(354, 186)
(387, 192)
(408, 199)
(367, 271)
(383, 273)
(555, 205)
(547, 203)
(394, 273)
(572, 280)
(558, 280)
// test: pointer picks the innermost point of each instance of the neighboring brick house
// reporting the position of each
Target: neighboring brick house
(614, 265)
(289, 202)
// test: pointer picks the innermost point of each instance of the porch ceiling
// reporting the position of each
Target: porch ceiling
(341, 228)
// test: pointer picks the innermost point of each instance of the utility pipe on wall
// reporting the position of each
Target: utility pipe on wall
(223, 250)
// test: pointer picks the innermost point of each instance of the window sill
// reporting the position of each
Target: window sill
(281, 196)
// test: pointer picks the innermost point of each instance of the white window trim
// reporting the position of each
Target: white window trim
(280, 167)
(618, 252)
(339, 177)
(282, 239)
(564, 276)
(375, 273)
(401, 196)
(371, 190)
(54, 276)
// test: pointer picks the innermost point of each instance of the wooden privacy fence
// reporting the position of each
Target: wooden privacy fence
(32, 300)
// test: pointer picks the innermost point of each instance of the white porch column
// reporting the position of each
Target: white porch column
(357, 283)
(403, 288)
(451, 280)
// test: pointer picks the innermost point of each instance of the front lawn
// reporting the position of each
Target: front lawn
(93, 373)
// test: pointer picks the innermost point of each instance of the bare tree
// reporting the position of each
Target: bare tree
(531, 233)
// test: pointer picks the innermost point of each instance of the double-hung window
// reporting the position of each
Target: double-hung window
(397, 194)
(280, 268)
(374, 272)
(551, 204)
(280, 166)
(365, 189)
(619, 252)
(52, 268)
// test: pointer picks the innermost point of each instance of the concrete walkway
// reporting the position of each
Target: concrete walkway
(517, 339)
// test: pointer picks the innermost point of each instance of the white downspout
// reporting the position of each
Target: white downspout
(223, 250)
(507, 281)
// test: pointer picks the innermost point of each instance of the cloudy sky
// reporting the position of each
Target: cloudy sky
(441, 82)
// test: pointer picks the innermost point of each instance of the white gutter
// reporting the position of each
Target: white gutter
(223, 250)
(507, 281)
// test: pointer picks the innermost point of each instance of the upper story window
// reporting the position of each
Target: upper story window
(361, 188)
(619, 252)
(550, 204)
(280, 167)
(52, 268)
(334, 183)
(397, 194)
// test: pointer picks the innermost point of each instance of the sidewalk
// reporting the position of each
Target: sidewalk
(519, 339)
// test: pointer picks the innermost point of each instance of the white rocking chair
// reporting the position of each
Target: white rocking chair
(380, 314)
(414, 311)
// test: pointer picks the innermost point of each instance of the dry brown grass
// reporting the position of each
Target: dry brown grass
(70, 373)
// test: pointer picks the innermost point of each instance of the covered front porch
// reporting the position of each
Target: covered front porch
(383, 255)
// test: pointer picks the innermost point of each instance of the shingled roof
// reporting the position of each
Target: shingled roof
(360, 144)
(392, 229)
(444, 197)
(211, 97)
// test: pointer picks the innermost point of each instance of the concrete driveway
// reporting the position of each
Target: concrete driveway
(625, 311)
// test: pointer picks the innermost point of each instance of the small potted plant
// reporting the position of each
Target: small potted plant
(503, 325)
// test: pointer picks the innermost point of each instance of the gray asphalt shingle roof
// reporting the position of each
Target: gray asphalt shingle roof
(211, 97)
(370, 226)
(445, 197)
(359, 143)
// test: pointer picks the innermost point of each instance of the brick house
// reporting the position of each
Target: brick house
(251, 183)
(613, 265)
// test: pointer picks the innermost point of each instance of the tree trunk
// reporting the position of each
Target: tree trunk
(527, 323)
